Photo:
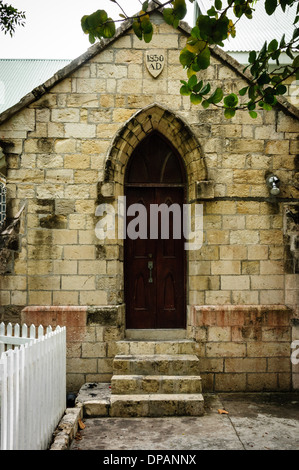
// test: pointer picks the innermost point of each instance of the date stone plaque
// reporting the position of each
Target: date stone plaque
(155, 60)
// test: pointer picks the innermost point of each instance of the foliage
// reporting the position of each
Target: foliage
(10, 18)
(211, 30)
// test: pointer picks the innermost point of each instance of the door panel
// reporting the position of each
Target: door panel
(155, 268)
(170, 265)
(139, 314)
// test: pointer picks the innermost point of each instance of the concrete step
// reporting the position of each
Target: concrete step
(161, 384)
(156, 364)
(129, 406)
(183, 346)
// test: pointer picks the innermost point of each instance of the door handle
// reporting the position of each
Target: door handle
(150, 266)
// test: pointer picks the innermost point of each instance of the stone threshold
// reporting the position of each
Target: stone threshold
(156, 334)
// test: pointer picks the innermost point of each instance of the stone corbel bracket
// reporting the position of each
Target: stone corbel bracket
(204, 189)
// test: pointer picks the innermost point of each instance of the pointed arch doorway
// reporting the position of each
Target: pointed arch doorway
(154, 255)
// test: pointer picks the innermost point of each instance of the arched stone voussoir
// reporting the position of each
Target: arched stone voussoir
(155, 118)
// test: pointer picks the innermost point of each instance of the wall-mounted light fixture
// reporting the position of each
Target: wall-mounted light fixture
(273, 184)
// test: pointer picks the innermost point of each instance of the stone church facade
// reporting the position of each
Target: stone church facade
(70, 146)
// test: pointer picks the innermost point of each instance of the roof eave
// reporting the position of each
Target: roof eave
(63, 73)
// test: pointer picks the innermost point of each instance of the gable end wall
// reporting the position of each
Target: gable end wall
(67, 152)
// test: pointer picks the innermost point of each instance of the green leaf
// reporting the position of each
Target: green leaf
(229, 113)
(270, 6)
(252, 91)
(176, 23)
(275, 79)
(195, 99)
(108, 30)
(186, 57)
(205, 89)
(212, 12)
(148, 37)
(205, 104)
(231, 101)
(195, 33)
(168, 15)
(252, 57)
(218, 4)
(216, 97)
(276, 55)
(185, 91)
(295, 63)
(281, 89)
(192, 81)
(264, 79)
(146, 26)
(263, 50)
(92, 39)
(137, 29)
(205, 25)
(273, 45)
(220, 30)
(243, 91)
(179, 9)
(203, 59)
(295, 33)
(267, 107)
(238, 10)
(248, 12)
(145, 6)
(97, 19)
(198, 87)
(253, 114)
(269, 97)
(84, 24)
(282, 42)
(251, 105)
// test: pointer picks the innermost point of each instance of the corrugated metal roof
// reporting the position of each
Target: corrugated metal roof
(20, 76)
(251, 34)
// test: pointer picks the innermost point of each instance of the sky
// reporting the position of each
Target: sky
(53, 28)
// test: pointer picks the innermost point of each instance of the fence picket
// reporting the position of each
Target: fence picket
(32, 386)
(32, 331)
(9, 334)
(24, 331)
(17, 331)
(2, 333)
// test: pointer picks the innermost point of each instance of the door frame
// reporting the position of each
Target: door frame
(182, 185)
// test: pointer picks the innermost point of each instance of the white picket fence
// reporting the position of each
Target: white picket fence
(32, 385)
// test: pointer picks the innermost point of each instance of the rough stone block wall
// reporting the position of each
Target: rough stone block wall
(91, 335)
(67, 152)
(244, 348)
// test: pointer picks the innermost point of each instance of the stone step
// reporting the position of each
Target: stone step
(131, 347)
(156, 334)
(161, 364)
(129, 406)
(160, 384)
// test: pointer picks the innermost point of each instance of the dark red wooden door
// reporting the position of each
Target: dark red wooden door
(154, 267)
(154, 259)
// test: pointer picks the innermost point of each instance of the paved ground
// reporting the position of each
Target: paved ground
(265, 421)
